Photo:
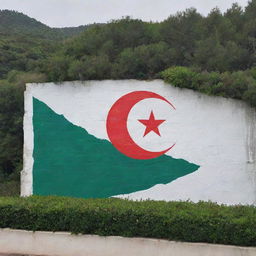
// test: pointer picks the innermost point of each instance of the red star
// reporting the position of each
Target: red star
(151, 124)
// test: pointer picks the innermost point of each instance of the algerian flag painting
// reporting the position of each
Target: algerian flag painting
(70, 161)
(131, 139)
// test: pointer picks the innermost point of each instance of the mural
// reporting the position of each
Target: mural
(69, 161)
(137, 140)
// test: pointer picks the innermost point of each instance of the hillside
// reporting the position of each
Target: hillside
(15, 22)
(12, 22)
(129, 48)
(24, 41)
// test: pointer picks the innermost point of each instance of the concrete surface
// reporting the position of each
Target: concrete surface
(66, 244)
(216, 133)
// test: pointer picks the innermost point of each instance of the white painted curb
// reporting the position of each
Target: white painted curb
(66, 244)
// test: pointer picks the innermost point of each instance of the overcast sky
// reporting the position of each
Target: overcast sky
(63, 13)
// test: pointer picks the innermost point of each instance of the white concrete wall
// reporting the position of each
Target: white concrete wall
(216, 133)
(65, 244)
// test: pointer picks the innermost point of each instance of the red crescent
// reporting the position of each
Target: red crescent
(117, 125)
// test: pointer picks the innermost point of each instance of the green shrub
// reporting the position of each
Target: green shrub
(237, 85)
(179, 76)
(179, 221)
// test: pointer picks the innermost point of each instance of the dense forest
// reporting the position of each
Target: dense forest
(215, 54)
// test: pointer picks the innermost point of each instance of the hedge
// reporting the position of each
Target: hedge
(179, 221)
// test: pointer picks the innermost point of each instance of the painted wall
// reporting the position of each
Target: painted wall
(69, 151)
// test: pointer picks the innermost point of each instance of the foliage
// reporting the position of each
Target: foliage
(11, 120)
(135, 49)
(24, 41)
(19, 23)
(142, 62)
(179, 221)
(19, 52)
(236, 85)
(179, 76)
(90, 67)
(11, 133)
(130, 48)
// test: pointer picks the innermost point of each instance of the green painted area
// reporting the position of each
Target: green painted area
(68, 161)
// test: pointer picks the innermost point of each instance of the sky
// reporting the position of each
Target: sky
(67, 13)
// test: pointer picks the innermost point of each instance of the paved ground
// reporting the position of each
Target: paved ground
(1, 254)
(4, 254)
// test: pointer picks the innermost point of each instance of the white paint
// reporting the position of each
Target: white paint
(216, 133)
(65, 244)
(28, 161)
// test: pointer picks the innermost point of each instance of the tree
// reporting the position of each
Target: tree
(181, 32)
(90, 67)
(236, 16)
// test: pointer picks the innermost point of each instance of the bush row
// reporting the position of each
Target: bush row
(179, 221)
(236, 85)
